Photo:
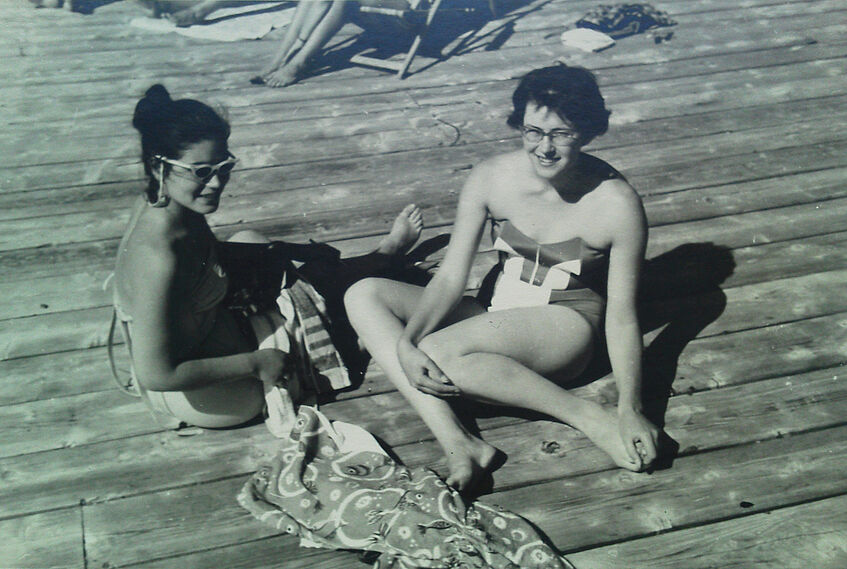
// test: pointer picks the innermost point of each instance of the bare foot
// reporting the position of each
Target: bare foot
(186, 18)
(468, 462)
(282, 77)
(404, 233)
(601, 427)
(195, 14)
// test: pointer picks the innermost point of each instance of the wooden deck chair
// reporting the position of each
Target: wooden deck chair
(399, 66)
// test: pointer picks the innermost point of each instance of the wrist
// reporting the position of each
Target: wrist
(629, 407)
(254, 359)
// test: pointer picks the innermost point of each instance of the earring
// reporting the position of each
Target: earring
(162, 199)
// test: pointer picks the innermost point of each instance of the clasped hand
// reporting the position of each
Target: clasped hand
(423, 373)
(640, 437)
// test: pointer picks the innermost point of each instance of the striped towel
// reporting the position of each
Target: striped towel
(329, 373)
(300, 329)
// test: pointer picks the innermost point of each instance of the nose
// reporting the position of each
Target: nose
(215, 182)
(546, 144)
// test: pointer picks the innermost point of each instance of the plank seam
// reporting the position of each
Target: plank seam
(741, 514)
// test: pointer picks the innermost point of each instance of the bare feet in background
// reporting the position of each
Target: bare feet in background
(404, 232)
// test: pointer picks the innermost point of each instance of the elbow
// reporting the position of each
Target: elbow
(449, 283)
(158, 379)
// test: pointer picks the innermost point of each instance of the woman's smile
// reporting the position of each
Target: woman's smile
(548, 159)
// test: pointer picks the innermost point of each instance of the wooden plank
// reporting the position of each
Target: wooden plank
(423, 191)
(62, 331)
(94, 224)
(388, 129)
(319, 106)
(543, 450)
(83, 371)
(269, 158)
(91, 417)
(807, 535)
(790, 64)
(357, 106)
(125, 467)
(756, 29)
(37, 481)
(108, 20)
(807, 467)
(803, 536)
(70, 421)
(51, 539)
(56, 332)
(499, 66)
(167, 524)
(596, 509)
(57, 375)
(747, 229)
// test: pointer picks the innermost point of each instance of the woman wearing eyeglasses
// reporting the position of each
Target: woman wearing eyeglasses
(173, 276)
(571, 236)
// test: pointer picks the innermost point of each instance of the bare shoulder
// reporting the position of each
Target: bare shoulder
(621, 204)
(610, 186)
(147, 257)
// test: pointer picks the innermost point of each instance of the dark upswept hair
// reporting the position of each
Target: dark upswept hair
(571, 92)
(168, 127)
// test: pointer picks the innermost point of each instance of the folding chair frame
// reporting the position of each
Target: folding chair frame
(399, 66)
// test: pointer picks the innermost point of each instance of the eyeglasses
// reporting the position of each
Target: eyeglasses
(558, 137)
(205, 172)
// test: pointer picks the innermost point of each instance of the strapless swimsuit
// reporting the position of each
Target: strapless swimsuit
(568, 273)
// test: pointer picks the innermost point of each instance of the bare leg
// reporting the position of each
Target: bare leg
(187, 13)
(506, 357)
(378, 310)
(291, 42)
(321, 22)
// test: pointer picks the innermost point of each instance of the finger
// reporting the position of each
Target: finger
(439, 392)
(434, 372)
(648, 447)
(428, 385)
(631, 451)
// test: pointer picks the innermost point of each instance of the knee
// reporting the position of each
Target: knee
(249, 236)
(445, 350)
(361, 297)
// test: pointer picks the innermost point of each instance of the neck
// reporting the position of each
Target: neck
(177, 217)
(566, 183)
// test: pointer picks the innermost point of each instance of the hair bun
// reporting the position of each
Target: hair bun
(153, 105)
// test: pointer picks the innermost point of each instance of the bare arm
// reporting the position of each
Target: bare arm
(623, 334)
(446, 289)
(156, 337)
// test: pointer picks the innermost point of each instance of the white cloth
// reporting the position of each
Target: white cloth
(586, 40)
(248, 22)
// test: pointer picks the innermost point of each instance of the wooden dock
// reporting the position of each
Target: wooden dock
(733, 131)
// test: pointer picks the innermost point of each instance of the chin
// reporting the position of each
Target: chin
(549, 171)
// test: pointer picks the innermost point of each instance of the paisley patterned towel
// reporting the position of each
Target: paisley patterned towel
(332, 485)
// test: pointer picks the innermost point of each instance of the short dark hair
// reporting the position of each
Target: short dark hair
(571, 92)
(168, 127)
